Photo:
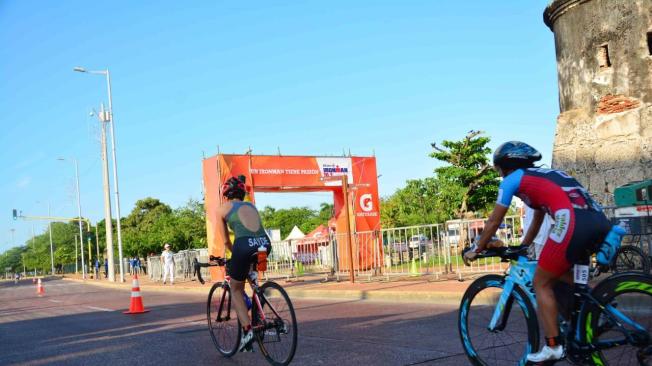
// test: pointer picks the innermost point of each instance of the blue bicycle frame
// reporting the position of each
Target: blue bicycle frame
(520, 273)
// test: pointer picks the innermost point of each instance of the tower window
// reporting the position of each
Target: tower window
(603, 57)
(649, 43)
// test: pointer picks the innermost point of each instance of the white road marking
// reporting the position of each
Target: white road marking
(96, 308)
(54, 300)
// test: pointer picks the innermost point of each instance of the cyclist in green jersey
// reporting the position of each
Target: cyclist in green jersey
(249, 234)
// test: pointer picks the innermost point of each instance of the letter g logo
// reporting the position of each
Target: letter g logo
(366, 202)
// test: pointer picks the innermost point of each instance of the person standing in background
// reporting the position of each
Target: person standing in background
(97, 268)
(167, 259)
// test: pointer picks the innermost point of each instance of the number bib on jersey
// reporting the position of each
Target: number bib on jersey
(581, 274)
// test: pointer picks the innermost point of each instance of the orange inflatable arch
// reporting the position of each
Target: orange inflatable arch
(274, 173)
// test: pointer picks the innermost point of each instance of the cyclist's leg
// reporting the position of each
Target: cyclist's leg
(552, 266)
(237, 289)
(238, 270)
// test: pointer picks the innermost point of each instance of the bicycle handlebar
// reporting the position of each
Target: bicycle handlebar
(505, 253)
(213, 262)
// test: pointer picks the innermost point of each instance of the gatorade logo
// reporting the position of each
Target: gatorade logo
(366, 202)
(562, 221)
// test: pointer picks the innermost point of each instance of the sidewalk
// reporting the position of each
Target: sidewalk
(408, 290)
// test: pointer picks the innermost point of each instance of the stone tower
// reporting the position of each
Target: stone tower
(604, 66)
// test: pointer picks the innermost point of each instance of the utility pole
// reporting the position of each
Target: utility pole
(108, 117)
(107, 198)
(51, 246)
(97, 242)
(34, 245)
(76, 260)
(81, 235)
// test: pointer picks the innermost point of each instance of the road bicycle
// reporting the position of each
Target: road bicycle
(274, 322)
(605, 325)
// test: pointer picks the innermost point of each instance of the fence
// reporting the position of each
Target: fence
(395, 252)
(414, 251)
(426, 250)
(423, 250)
(183, 265)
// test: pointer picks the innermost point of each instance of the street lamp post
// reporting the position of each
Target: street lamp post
(81, 235)
(115, 162)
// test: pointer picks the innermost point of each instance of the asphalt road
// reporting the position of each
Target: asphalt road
(78, 324)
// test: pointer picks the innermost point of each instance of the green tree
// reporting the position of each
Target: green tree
(191, 223)
(303, 217)
(326, 212)
(468, 167)
(147, 227)
(12, 259)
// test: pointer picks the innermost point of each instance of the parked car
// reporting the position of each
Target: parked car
(417, 241)
(453, 232)
(397, 247)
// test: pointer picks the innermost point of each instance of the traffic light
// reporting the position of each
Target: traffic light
(15, 212)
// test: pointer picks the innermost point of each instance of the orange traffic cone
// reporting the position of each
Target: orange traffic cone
(39, 288)
(136, 305)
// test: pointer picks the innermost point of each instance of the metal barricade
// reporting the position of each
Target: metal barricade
(425, 250)
(183, 265)
(421, 250)
(296, 258)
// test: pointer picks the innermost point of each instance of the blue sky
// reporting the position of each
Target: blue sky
(312, 77)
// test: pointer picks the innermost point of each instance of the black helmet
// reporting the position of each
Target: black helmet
(515, 154)
(234, 188)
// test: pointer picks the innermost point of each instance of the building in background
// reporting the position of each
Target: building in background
(604, 64)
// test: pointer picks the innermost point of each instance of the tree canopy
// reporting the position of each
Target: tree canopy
(305, 218)
(466, 183)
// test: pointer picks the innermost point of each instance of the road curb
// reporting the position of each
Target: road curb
(431, 297)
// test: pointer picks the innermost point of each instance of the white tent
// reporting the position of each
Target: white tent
(296, 233)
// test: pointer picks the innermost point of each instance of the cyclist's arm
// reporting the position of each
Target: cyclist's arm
(491, 226)
(222, 231)
(506, 191)
(535, 226)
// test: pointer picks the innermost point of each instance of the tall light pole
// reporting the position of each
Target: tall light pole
(115, 162)
(81, 235)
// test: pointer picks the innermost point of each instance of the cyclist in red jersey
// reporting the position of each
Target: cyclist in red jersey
(580, 227)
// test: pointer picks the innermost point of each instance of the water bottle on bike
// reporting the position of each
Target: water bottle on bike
(609, 248)
(247, 300)
(262, 259)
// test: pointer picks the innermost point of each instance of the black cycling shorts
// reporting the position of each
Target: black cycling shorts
(242, 256)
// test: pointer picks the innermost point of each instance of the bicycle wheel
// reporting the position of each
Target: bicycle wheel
(507, 346)
(631, 295)
(631, 258)
(222, 320)
(278, 338)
